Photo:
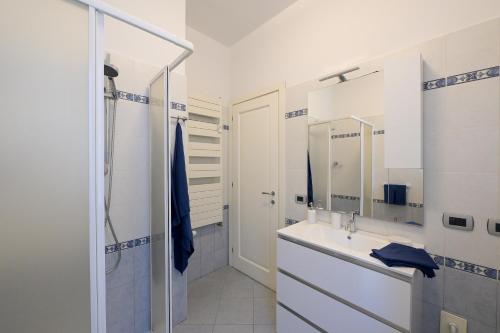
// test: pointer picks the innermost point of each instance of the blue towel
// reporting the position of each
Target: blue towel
(310, 193)
(182, 233)
(406, 256)
(395, 194)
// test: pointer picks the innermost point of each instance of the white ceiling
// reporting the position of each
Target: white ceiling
(227, 21)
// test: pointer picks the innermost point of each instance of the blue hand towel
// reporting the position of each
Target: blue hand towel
(406, 256)
(182, 233)
(395, 194)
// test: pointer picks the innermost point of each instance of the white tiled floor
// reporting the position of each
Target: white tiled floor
(227, 301)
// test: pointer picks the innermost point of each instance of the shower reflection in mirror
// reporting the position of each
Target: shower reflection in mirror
(346, 155)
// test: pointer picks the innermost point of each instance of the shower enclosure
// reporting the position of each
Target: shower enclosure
(161, 286)
(102, 137)
(57, 165)
(340, 152)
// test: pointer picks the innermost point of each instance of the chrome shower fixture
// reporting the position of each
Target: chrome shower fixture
(340, 75)
(110, 71)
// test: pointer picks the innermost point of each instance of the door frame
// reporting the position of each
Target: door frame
(280, 89)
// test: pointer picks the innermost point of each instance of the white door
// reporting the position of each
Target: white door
(255, 187)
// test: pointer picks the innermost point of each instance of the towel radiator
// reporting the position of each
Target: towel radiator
(204, 128)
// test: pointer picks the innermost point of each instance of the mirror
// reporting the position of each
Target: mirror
(346, 164)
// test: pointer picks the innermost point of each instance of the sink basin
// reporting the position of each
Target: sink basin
(357, 245)
(323, 232)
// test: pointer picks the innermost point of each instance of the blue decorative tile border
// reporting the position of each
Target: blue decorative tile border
(127, 244)
(353, 135)
(439, 260)
(344, 197)
(178, 106)
(434, 84)
(133, 97)
(471, 268)
(481, 74)
(460, 265)
(347, 135)
(409, 204)
(298, 113)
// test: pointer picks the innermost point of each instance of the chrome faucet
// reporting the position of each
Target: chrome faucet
(351, 225)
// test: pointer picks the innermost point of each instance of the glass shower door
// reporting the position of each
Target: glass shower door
(44, 168)
(160, 204)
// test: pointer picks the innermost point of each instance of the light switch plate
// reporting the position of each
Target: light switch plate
(301, 199)
(452, 324)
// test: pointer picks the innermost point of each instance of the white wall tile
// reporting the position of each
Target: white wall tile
(296, 138)
(461, 147)
(296, 165)
(296, 184)
(473, 48)
(434, 59)
(463, 193)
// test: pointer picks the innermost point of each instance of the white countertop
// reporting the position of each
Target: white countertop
(358, 247)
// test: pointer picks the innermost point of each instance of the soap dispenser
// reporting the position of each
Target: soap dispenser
(311, 213)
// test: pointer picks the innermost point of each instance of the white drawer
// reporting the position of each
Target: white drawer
(380, 294)
(324, 311)
(287, 322)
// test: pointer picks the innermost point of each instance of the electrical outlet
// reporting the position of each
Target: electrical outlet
(452, 324)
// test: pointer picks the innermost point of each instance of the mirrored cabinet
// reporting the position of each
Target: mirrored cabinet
(365, 142)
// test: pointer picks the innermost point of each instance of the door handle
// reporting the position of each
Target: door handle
(269, 193)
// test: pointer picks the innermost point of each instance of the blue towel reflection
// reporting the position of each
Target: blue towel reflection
(395, 194)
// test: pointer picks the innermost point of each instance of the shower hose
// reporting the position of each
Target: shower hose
(110, 118)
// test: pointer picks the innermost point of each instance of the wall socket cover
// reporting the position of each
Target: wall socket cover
(493, 226)
(451, 323)
(458, 221)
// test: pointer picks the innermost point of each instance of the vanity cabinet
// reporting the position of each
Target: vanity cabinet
(324, 291)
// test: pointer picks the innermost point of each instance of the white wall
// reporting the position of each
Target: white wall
(461, 147)
(208, 75)
(167, 14)
(208, 68)
(311, 38)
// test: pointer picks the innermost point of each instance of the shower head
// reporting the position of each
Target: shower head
(110, 71)
(340, 75)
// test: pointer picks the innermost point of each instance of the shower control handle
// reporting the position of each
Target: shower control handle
(269, 193)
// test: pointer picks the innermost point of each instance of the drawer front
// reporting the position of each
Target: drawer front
(287, 322)
(377, 293)
(324, 311)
